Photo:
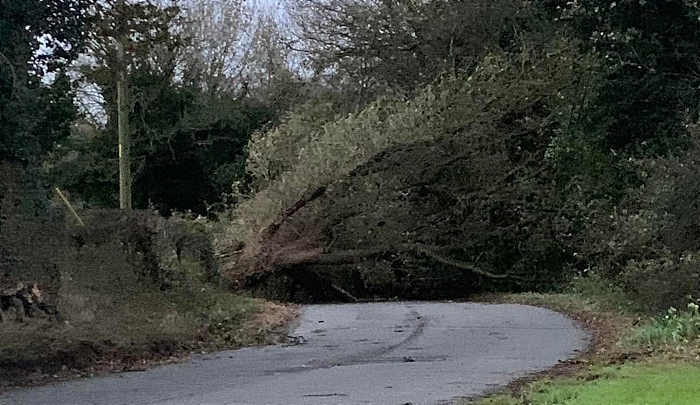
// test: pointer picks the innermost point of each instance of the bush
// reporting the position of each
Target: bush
(661, 283)
(648, 240)
(604, 292)
(28, 252)
(166, 253)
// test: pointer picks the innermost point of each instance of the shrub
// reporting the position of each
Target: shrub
(663, 282)
(28, 252)
(648, 239)
(605, 293)
(166, 253)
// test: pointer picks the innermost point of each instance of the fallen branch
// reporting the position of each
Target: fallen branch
(344, 293)
(459, 264)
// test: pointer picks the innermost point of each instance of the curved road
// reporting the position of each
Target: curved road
(374, 353)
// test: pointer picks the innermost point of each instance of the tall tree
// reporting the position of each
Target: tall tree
(37, 38)
(218, 34)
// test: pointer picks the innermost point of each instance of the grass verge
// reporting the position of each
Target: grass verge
(126, 291)
(132, 339)
(634, 359)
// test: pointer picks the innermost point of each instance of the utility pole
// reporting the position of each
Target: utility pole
(123, 129)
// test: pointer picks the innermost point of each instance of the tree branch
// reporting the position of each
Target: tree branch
(13, 73)
(459, 264)
(271, 229)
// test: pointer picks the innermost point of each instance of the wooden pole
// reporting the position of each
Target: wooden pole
(123, 128)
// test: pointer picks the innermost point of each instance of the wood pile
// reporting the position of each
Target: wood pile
(25, 301)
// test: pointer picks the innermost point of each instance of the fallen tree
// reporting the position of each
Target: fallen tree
(408, 229)
(461, 200)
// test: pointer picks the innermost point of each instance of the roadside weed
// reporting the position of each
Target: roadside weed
(676, 327)
(607, 296)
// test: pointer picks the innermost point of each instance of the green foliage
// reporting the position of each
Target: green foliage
(651, 85)
(108, 314)
(192, 163)
(498, 121)
(225, 316)
(27, 251)
(557, 134)
(187, 149)
(662, 282)
(321, 156)
(167, 254)
(87, 168)
(23, 24)
(187, 140)
(646, 238)
(625, 217)
(272, 152)
(601, 294)
(542, 140)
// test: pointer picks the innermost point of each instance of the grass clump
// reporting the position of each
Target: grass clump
(122, 327)
(677, 327)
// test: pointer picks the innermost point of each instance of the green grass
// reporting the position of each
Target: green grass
(589, 299)
(101, 298)
(631, 384)
(590, 294)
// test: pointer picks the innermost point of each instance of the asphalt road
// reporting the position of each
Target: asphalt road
(375, 353)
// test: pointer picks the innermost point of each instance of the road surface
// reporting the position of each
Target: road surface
(373, 353)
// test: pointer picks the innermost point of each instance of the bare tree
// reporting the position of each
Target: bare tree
(372, 47)
(219, 38)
